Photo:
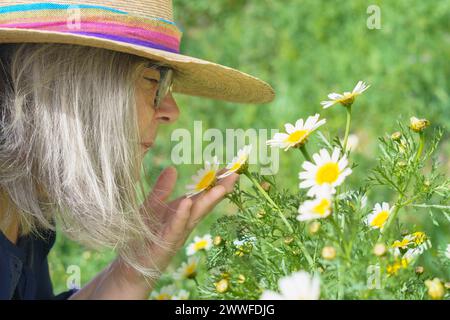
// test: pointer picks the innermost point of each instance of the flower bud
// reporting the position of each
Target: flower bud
(222, 286)
(329, 253)
(419, 270)
(217, 240)
(314, 227)
(418, 125)
(265, 185)
(396, 136)
(241, 278)
(379, 249)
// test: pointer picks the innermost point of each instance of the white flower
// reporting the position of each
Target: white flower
(347, 98)
(298, 286)
(187, 270)
(166, 293)
(182, 295)
(447, 253)
(328, 169)
(379, 216)
(199, 243)
(244, 241)
(238, 162)
(296, 134)
(318, 208)
(204, 179)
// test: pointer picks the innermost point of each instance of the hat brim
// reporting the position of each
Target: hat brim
(193, 76)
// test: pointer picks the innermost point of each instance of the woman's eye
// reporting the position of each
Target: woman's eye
(152, 80)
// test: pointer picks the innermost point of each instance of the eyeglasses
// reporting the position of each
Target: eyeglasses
(165, 85)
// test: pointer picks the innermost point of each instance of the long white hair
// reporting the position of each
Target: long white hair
(69, 146)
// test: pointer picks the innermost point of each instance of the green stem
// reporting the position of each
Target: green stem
(274, 205)
(347, 126)
(421, 144)
(305, 153)
(269, 199)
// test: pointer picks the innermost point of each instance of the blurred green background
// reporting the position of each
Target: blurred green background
(305, 49)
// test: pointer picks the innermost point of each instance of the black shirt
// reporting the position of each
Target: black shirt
(24, 272)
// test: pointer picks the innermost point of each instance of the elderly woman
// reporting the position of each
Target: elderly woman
(83, 89)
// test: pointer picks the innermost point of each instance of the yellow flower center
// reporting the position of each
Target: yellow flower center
(348, 99)
(322, 207)
(380, 219)
(199, 245)
(163, 296)
(207, 180)
(235, 166)
(190, 270)
(328, 173)
(297, 136)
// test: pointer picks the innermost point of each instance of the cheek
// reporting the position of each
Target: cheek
(145, 112)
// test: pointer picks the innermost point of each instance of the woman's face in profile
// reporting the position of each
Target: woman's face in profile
(149, 118)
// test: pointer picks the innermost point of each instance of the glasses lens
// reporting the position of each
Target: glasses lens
(165, 85)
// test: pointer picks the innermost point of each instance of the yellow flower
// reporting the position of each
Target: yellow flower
(205, 178)
(380, 214)
(347, 98)
(327, 169)
(436, 290)
(419, 237)
(296, 134)
(399, 263)
(318, 208)
(239, 163)
(401, 244)
(187, 270)
(418, 125)
(199, 243)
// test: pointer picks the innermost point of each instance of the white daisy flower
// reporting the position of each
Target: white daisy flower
(204, 179)
(296, 134)
(298, 286)
(165, 293)
(199, 243)
(380, 214)
(327, 169)
(347, 98)
(188, 269)
(182, 295)
(447, 253)
(318, 208)
(238, 163)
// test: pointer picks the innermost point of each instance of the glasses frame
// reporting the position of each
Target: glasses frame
(164, 86)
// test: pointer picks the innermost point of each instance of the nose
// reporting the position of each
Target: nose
(168, 111)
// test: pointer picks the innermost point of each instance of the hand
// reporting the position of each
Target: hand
(179, 217)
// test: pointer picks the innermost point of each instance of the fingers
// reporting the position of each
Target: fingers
(205, 203)
(176, 232)
(163, 187)
(229, 182)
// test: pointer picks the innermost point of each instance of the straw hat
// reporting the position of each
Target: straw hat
(140, 27)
